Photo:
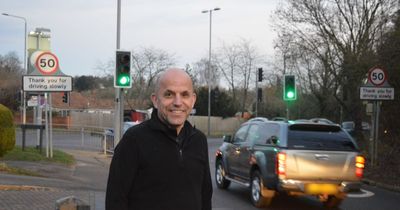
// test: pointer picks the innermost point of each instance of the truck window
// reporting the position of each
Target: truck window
(265, 131)
(240, 135)
(320, 140)
(254, 134)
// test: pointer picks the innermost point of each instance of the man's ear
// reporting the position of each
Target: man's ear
(194, 99)
(154, 99)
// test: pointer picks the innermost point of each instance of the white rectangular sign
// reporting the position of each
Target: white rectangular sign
(376, 93)
(47, 83)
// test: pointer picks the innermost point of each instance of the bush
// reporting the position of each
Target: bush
(7, 130)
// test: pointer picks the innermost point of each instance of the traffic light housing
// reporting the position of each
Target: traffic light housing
(260, 74)
(65, 97)
(289, 88)
(122, 76)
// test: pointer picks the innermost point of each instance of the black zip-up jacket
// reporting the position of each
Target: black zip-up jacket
(153, 168)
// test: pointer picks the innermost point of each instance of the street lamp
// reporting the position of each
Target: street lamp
(209, 68)
(25, 64)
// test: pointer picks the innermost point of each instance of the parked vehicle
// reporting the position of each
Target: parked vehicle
(109, 134)
(279, 119)
(304, 158)
(350, 125)
(322, 120)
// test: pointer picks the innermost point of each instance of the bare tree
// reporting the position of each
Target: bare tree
(147, 63)
(10, 79)
(335, 42)
(201, 69)
(237, 63)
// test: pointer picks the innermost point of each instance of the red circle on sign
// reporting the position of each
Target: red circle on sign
(377, 76)
(47, 63)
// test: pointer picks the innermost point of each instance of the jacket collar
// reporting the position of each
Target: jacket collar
(157, 124)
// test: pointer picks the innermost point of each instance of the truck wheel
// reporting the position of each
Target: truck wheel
(332, 202)
(220, 180)
(257, 187)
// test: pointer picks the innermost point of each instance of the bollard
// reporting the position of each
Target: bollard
(105, 143)
(82, 137)
(71, 203)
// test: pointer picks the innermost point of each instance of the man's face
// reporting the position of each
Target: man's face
(174, 98)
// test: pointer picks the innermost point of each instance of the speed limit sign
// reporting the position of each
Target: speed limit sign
(47, 63)
(377, 76)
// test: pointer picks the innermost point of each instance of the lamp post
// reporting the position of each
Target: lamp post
(209, 68)
(25, 66)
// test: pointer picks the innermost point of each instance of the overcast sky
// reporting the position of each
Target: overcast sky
(83, 32)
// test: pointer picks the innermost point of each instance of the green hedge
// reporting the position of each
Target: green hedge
(7, 130)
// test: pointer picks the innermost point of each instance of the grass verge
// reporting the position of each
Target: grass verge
(32, 154)
(19, 171)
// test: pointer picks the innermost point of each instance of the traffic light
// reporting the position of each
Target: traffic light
(260, 74)
(122, 76)
(289, 88)
(65, 97)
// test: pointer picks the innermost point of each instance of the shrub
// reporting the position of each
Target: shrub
(7, 130)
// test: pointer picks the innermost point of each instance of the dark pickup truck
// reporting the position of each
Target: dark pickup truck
(303, 158)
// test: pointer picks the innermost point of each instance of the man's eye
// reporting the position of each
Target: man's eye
(185, 95)
(168, 94)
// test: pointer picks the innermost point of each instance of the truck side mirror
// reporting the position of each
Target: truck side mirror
(227, 138)
(272, 140)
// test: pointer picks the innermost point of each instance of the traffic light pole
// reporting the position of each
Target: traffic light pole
(257, 93)
(119, 101)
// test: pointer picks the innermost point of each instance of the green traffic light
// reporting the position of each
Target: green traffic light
(289, 88)
(290, 94)
(123, 80)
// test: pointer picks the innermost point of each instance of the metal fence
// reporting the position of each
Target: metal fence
(70, 137)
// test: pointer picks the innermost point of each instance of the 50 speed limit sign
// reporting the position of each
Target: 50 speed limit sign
(47, 63)
(377, 76)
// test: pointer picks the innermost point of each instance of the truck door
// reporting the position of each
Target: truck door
(246, 151)
(234, 150)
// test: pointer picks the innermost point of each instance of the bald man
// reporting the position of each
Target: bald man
(162, 163)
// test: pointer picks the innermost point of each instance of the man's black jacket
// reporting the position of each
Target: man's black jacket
(154, 169)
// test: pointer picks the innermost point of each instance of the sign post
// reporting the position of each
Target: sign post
(376, 90)
(46, 77)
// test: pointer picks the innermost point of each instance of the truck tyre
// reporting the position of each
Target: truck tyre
(220, 179)
(332, 202)
(257, 186)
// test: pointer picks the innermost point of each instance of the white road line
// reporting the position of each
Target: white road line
(362, 194)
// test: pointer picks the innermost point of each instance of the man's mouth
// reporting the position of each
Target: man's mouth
(177, 111)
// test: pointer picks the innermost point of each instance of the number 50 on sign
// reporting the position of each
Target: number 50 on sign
(47, 63)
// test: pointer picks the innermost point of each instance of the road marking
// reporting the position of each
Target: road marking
(362, 194)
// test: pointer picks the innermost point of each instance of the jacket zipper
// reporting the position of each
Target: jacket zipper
(180, 147)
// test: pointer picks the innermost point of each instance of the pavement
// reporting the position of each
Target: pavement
(86, 181)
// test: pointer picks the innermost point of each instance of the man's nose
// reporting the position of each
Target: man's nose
(178, 100)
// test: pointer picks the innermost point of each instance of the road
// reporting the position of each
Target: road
(237, 197)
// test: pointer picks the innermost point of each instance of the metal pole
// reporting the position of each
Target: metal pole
(26, 72)
(46, 125)
(209, 70)
(118, 91)
(209, 79)
(257, 92)
(25, 63)
(50, 125)
(372, 134)
(376, 132)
